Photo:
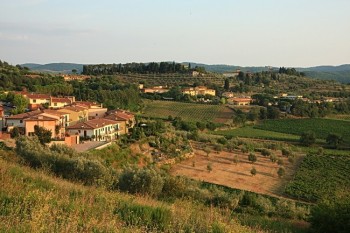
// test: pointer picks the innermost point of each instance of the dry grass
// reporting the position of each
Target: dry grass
(33, 201)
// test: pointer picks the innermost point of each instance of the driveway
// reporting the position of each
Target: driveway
(87, 146)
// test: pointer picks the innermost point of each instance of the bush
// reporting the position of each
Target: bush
(331, 216)
(265, 152)
(252, 157)
(281, 172)
(145, 181)
(307, 138)
(62, 161)
(153, 218)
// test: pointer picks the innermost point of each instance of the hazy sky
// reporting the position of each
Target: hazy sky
(236, 32)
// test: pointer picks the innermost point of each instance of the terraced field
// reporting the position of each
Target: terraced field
(187, 111)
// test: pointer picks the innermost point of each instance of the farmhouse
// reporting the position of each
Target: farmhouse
(156, 89)
(200, 90)
(97, 129)
(239, 101)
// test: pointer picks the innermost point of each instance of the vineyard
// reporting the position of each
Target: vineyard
(321, 177)
(187, 111)
(321, 127)
(250, 132)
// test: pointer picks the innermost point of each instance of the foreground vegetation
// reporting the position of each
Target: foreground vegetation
(31, 201)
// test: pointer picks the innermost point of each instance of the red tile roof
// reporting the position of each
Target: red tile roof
(61, 100)
(25, 115)
(92, 124)
(74, 108)
(40, 118)
(38, 96)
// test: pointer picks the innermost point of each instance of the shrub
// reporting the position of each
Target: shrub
(265, 152)
(286, 152)
(222, 141)
(307, 138)
(141, 180)
(252, 157)
(253, 171)
(273, 158)
(153, 218)
(281, 172)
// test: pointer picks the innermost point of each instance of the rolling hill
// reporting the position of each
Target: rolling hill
(55, 67)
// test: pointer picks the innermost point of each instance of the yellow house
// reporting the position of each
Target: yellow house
(76, 113)
(200, 90)
(60, 102)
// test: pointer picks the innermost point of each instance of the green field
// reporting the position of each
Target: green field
(187, 111)
(250, 132)
(321, 177)
(321, 127)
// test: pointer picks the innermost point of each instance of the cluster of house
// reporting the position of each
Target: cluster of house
(192, 91)
(66, 117)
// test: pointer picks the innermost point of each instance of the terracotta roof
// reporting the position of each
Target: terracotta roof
(92, 124)
(120, 115)
(25, 115)
(61, 100)
(241, 99)
(74, 108)
(55, 112)
(41, 118)
(38, 96)
(87, 103)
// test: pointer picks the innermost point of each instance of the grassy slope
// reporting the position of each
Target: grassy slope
(187, 111)
(34, 201)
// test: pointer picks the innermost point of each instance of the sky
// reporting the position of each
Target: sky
(292, 33)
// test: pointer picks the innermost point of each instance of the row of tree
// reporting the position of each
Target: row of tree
(141, 68)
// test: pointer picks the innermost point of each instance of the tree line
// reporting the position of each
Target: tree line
(141, 68)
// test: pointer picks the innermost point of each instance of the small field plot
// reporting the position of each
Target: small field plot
(187, 111)
(233, 169)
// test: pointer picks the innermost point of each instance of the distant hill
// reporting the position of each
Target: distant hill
(55, 67)
(338, 73)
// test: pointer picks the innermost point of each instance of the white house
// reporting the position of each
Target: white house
(97, 129)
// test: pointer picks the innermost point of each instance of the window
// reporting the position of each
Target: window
(21, 121)
(34, 101)
(55, 104)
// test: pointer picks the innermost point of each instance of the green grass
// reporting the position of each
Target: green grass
(321, 177)
(250, 132)
(321, 127)
(187, 111)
